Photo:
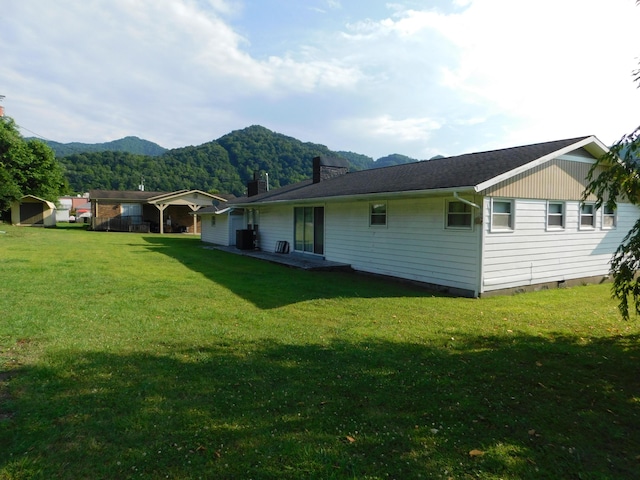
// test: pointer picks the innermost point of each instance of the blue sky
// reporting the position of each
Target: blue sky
(419, 78)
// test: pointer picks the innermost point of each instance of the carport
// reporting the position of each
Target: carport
(194, 199)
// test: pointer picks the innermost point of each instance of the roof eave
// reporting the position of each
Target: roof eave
(363, 196)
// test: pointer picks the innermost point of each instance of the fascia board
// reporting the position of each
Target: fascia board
(182, 193)
(166, 196)
(528, 166)
(364, 196)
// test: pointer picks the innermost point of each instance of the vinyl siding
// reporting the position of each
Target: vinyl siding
(276, 223)
(531, 254)
(414, 244)
(563, 178)
(218, 233)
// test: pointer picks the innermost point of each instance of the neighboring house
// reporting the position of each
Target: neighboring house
(33, 211)
(69, 205)
(140, 211)
(472, 224)
(83, 212)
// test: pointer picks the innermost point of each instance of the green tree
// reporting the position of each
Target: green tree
(27, 167)
(614, 177)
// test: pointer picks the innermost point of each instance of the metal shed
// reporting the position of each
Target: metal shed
(33, 211)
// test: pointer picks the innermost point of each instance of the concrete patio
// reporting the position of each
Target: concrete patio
(295, 260)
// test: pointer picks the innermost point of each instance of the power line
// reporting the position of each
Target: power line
(34, 133)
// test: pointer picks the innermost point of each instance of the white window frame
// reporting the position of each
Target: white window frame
(612, 215)
(511, 214)
(213, 220)
(465, 213)
(582, 215)
(372, 215)
(562, 215)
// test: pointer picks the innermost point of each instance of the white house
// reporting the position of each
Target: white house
(472, 224)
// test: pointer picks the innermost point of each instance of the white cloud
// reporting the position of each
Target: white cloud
(555, 68)
(467, 75)
(405, 129)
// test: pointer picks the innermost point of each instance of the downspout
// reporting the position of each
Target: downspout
(481, 260)
(460, 199)
(481, 237)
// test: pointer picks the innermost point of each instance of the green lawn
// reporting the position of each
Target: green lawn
(147, 356)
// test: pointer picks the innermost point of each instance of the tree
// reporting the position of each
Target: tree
(27, 167)
(616, 176)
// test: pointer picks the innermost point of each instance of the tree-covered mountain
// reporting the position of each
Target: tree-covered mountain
(284, 158)
(204, 168)
(357, 161)
(224, 165)
(393, 159)
(133, 145)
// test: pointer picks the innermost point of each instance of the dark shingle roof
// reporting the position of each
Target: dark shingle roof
(123, 195)
(451, 172)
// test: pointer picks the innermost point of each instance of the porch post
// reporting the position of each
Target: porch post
(194, 209)
(161, 208)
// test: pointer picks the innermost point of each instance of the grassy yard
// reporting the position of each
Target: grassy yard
(145, 356)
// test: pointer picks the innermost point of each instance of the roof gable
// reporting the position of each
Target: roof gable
(193, 197)
(33, 199)
(591, 144)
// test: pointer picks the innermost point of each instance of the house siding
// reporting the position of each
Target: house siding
(276, 224)
(414, 245)
(531, 254)
(218, 233)
(559, 179)
(224, 231)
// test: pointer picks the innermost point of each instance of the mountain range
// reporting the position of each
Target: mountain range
(220, 166)
(127, 144)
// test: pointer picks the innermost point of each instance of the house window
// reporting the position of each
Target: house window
(458, 215)
(132, 211)
(587, 218)
(502, 215)
(378, 214)
(555, 215)
(608, 217)
(213, 220)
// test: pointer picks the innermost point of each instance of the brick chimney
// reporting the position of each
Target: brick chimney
(257, 185)
(325, 168)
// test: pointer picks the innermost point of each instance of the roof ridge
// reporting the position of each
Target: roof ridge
(536, 144)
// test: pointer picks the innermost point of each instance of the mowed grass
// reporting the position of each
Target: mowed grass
(146, 356)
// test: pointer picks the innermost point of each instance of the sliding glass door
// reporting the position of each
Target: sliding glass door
(309, 229)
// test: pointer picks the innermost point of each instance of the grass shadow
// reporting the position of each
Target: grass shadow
(267, 285)
(530, 408)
